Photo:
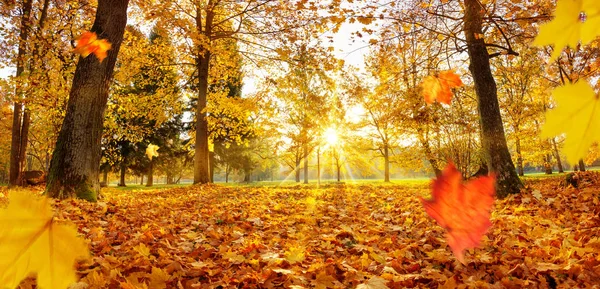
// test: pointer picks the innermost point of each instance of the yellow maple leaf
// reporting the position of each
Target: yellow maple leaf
(234, 257)
(151, 151)
(577, 114)
(33, 241)
(295, 255)
(142, 249)
(158, 278)
(574, 20)
(323, 280)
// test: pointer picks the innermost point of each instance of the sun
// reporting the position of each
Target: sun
(331, 136)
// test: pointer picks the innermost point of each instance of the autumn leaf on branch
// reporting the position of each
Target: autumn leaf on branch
(577, 114)
(33, 241)
(462, 209)
(89, 43)
(573, 20)
(440, 87)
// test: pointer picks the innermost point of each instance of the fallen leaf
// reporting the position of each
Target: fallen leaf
(295, 255)
(462, 209)
(374, 283)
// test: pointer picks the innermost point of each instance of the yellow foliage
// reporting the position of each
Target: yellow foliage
(33, 241)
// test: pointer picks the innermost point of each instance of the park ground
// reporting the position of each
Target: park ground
(335, 236)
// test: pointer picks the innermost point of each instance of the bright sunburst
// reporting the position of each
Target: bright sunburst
(331, 136)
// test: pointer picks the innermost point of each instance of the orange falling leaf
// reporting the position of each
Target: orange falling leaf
(439, 87)
(89, 43)
(462, 209)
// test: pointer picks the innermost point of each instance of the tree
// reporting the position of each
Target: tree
(20, 125)
(304, 90)
(76, 159)
(492, 129)
(145, 97)
(206, 23)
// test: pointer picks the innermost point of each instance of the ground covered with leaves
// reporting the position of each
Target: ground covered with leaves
(340, 236)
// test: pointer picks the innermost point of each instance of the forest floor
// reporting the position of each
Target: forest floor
(338, 236)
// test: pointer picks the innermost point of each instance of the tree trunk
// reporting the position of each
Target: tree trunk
(105, 177)
(557, 156)
(18, 107)
(493, 141)
(150, 181)
(428, 153)
(23, 144)
(581, 165)
(169, 177)
(386, 157)
(318, 168)
(76, 158)
(227, 173)
(297, 169)
(211, 164)
(519, 157)
(123, 169)
(339, 170)
(141, 179)
(201, 162)
(548, 164)
(305, 149)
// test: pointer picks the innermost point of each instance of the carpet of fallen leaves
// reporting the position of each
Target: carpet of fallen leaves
(340, 236)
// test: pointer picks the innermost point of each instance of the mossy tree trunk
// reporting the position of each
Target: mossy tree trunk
(75, 162)
(492, 130)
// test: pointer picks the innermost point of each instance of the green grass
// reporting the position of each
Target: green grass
(287, 183)
(144, 188)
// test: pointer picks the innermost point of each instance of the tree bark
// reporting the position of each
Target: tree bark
(493, 138)
(122, 170)
(305, 153)
(339, 170)
(76, 158)
(227, 173)
(557, 156)
(297, 169)
(519, 157)
(428, 153)
(105, 177)
(318, 167)
(201, 158)
(548, 164)
(581, 166)
(386, 157)
(16, 149)
(211, 163)
(150, 181)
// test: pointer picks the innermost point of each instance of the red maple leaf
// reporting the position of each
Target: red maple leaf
(462, 209)
(440, 87)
